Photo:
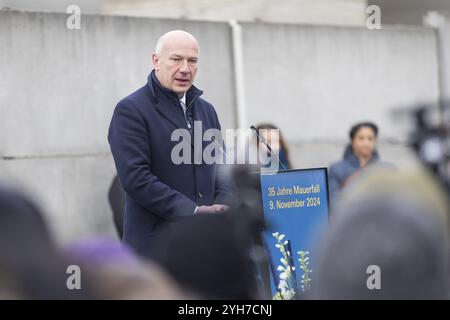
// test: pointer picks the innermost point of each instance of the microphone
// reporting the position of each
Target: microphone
(261, 138)
(213, 139)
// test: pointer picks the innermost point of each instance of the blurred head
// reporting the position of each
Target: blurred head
(209, 255)
(117, 273)
(31, 265)
(175, 61)
(397, 222)
(363, 138)
(142, 281)
(100, 252)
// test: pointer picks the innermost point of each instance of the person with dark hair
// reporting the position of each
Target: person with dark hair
(275, 140)
(31, 265)
(360, 153)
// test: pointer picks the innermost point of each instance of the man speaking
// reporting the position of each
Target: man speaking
(158, 190)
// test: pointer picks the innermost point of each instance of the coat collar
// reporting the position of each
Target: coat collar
(172, 111)
(155, 87)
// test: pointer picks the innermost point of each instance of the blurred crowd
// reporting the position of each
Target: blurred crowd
(380, 216)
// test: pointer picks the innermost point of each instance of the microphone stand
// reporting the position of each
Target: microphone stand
(261, 138)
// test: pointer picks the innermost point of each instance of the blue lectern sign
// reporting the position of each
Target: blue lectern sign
(295, 204)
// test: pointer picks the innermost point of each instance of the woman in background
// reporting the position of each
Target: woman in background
(360, 153)
(274, 139)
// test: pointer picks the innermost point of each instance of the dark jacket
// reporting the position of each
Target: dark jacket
(116, 199)
(157, 190)
(340, 171)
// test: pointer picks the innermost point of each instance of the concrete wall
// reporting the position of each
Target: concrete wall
(329, 12)
(445, 58)
(315, 82)
(58, 88)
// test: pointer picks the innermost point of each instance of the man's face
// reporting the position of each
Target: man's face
(176, 64)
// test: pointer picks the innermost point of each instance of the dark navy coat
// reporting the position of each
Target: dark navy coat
(157, 190)
(340, 171)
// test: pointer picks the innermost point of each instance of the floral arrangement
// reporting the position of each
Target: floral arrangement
(287, 282)
(304, 265)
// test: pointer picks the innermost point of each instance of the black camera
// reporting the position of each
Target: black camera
(431, 139)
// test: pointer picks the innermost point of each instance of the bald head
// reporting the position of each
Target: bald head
(178, 36)
(175, 60)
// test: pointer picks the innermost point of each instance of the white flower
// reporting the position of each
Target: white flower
(281, 237)
(286, 273)
(278, 246)
(282, 285)
(281, 268)
(288, 295)
(283, 261)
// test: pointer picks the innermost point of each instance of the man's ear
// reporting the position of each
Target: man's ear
(155, 61)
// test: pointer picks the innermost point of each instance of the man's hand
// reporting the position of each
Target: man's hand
(220, 207)
(215, 208)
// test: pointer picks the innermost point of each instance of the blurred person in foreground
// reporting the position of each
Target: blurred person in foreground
(158, 188)
(359, 154)
(275, 140)
(211, 256)
(31, 265)
(115, 272)
(397, 222)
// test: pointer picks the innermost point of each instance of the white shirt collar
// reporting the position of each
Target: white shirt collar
(183, 99)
